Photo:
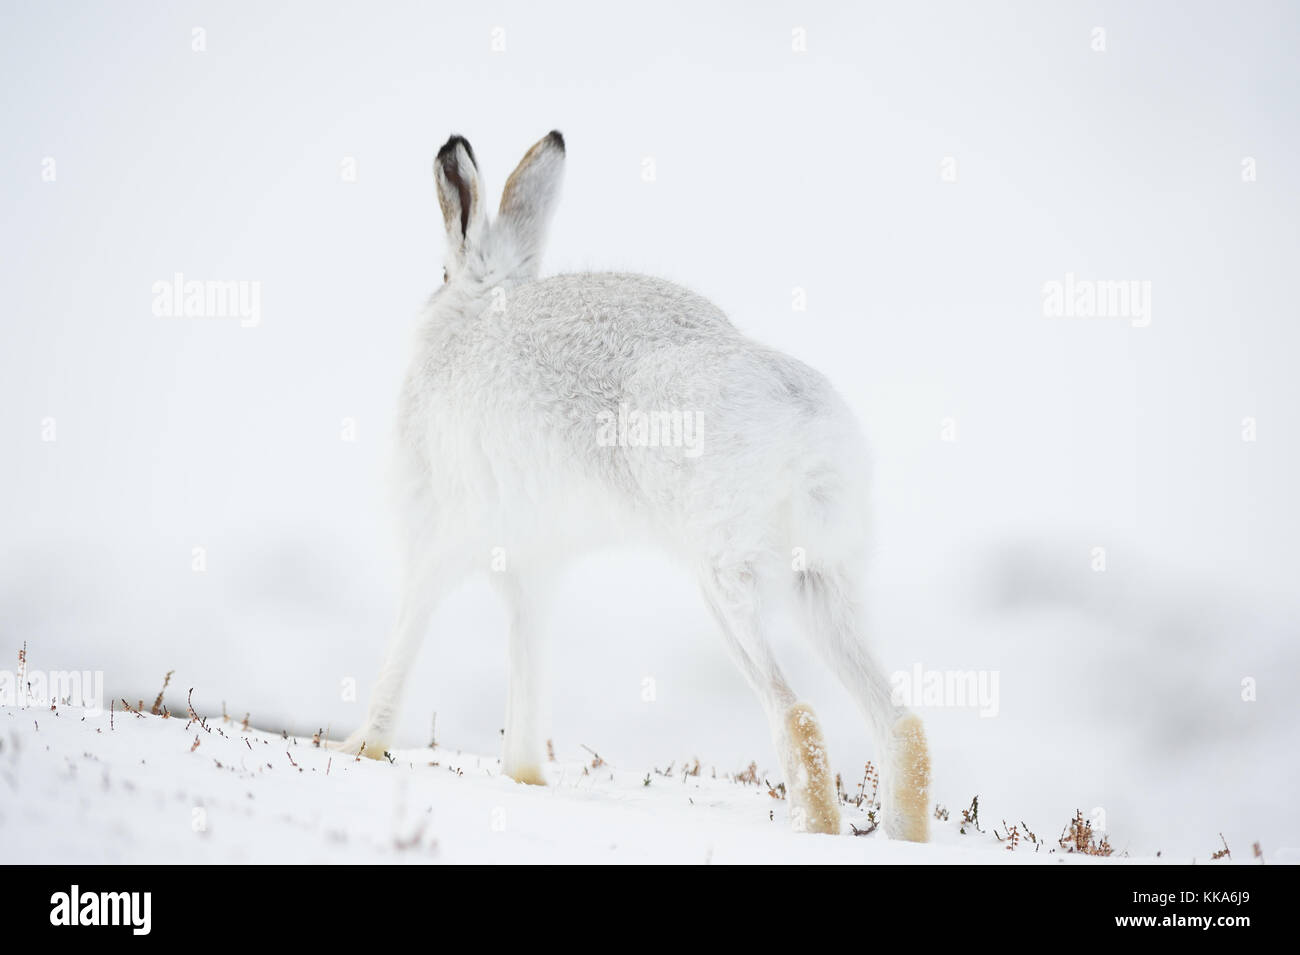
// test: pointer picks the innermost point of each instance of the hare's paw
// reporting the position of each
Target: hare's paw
(529, 774)
(906, 799)
(371, 745)
(814, 805)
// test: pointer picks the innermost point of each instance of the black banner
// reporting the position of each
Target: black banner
(330, 904)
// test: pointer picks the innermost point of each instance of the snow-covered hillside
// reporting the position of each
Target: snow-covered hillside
(1100, 515)
(126, 787)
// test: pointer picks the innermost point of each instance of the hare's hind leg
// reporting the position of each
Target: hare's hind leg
(833, 620)
(527, 597)
(736, 594)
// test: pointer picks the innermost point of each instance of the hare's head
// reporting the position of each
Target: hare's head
(490, 252)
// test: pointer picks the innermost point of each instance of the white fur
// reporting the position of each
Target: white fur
(498, 448)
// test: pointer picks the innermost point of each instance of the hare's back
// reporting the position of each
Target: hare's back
(588, 342)
(617, 336)
(557, 380)
(629, 308)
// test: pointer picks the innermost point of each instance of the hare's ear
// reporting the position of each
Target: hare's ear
(529, 197)
(459, 191)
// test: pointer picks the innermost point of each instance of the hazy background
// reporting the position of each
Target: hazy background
(774, 170)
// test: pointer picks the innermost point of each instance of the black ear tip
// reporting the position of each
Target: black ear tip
(448, 149)
(556, 138)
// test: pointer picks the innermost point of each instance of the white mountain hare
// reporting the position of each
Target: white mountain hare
(542, 417)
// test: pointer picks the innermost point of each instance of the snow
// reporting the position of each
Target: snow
(1120, 692)
(133, 788)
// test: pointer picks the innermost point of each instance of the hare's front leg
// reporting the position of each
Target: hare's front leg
(430, 575)
(527, 597)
